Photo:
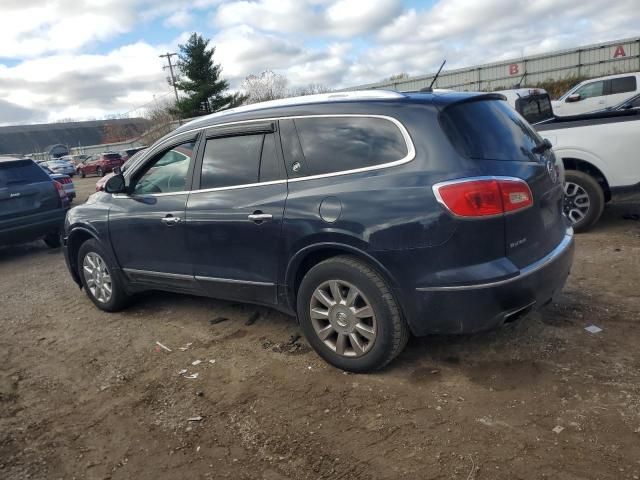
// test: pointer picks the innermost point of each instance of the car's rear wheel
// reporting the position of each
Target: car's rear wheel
(82, 174)
(349, 315)
(100, 279)
(99, 172)
(583, 200)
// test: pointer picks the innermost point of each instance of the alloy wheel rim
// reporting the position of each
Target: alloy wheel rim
(97, 276)
(576, 202)
(343, 318)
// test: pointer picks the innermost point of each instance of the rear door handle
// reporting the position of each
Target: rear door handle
(170, 220)
(260, 217)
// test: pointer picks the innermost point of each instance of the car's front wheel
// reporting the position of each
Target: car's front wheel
(100, 279)
(350, 316)
(53, 239)
(583, 200)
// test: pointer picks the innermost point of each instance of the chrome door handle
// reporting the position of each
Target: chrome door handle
(260, 217)
(169, 221)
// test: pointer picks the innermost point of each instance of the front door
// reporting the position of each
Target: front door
(234, 218)
(147, 225)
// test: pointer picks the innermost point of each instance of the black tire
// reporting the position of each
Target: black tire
(119, 298)
(82, 174)
(392, 330)
(593, 190)
(53, 240)
(99, 172)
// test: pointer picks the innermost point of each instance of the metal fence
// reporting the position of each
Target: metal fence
(620, 56)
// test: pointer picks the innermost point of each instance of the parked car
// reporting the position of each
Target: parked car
(75, 159)
(598, 152)
(60, 166)
(64, 180)
(130, 152)
(102, 181)
(99, 164)
(369, 215)
(597, 94)
(32, 205)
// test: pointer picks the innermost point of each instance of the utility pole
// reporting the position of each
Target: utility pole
(173, 78)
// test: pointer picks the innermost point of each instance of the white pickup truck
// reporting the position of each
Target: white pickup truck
(600, 152)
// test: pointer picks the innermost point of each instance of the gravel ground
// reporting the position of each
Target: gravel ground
(86, 394)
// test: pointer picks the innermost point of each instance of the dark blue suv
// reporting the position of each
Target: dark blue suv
(369, 215)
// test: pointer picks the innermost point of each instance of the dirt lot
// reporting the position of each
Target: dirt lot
(85, 394)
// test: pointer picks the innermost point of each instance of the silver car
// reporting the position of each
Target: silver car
(61, 166)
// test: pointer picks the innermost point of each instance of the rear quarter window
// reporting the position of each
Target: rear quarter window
(21, 172)
(623, 85)
(112, 156)
(489, 130)
(336, 144)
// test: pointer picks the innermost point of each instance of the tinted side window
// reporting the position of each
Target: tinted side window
(20, 173)
(623, 85)
(270, 164)
(590, 90)
(335, 144)
(490, 130)
(230, 161)
(167, 172)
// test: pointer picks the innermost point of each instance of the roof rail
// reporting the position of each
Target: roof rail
(378, 94)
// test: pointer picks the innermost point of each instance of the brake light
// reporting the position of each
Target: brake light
(484, 196)
(62, 195)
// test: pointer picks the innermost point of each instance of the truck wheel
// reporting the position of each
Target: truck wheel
(583, 200)
(349, 315)
(100, 278)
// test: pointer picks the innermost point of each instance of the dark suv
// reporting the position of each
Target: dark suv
(32, 205)
(369, 215)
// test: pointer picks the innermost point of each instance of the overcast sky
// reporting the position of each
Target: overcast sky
(89, 58)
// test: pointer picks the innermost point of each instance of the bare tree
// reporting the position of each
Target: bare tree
(267, 85)
(310, 89)
(163, 118)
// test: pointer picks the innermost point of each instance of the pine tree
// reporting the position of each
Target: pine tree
(204, 89)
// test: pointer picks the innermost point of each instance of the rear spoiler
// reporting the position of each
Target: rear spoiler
(475, 98)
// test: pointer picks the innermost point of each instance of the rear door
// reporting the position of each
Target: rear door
(234, 217)
(501, 143)
(25, 190)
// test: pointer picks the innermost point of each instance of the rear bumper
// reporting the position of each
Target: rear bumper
(33, 228)
(482, 306)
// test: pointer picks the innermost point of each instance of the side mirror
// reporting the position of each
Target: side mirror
(574, 98)
(115, 184)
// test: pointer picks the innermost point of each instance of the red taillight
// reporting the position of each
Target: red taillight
(61, 193)
(481, 197)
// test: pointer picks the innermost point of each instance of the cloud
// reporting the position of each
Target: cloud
(59, 63)
(342, 18)
(13, 114)
(69, 85)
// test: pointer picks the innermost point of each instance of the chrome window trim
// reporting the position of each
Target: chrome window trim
(552, 256)
(411, 154)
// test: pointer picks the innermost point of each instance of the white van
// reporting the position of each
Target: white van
(597, 94)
